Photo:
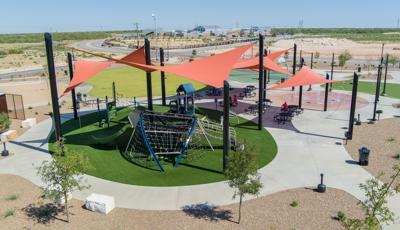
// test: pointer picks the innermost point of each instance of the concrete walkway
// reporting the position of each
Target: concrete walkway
(314, 148)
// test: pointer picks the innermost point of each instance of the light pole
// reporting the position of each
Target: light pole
(155, 33)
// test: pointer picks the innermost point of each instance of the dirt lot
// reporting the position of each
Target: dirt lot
(385, 149)
(315, 211)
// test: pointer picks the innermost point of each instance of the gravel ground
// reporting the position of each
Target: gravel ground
(315, 211)
(384, 147)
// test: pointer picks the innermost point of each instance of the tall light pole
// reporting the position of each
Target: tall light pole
(155, 33)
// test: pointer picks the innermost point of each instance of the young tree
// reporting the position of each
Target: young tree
(242, 174)
(344, 57)
(63, 174)
(375, 203)
(4, 122)
(194, 53)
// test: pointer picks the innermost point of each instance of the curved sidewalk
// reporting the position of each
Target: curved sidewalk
(302, 155)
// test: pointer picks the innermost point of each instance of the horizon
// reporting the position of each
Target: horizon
(45, 15)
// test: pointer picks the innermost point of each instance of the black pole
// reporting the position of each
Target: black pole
(265, 78)
(301, 87)
(383, 47)
(326, 94)
(332, 64)
(71, 75)
(376, 93)
(386, 70)
(98, 111)
(226, 126)
(353, 107)
(311, 66)
(114, 94)
(260, 82)
(164, 103)
(268, 72)
(53, 86)
(300, 58)
(294, 61)
(148, 75)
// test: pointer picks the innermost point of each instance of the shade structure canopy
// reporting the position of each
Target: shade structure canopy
(212, 70)
(269, 64)
(84, 70)
(305, 76)
(136, 58)
(277, 54)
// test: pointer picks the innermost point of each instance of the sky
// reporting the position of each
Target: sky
(23, 16)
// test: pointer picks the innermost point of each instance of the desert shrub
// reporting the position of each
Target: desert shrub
(294, 203)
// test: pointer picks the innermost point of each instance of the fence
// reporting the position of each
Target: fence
(15, 106)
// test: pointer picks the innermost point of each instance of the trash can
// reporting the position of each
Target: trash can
(359, 69)
(363, 156)
(282, 80)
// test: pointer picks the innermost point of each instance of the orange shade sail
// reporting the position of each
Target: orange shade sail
(305, 76)
(212, 70)
(275, 55)
(84, 70)
(252, 63)
(135, 59)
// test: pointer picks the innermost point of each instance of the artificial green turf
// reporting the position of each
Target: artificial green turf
(131, 82)
(392, 89)
(108, 163)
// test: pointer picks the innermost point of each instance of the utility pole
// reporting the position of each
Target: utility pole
(137, 34)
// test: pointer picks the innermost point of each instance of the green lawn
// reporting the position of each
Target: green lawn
(131, 82)
(392, 90)
(108, 163)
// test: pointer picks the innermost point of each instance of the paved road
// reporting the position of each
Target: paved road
(15, 74)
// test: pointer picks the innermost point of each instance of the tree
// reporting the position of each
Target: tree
(63, 174)
(194, 53)
(393, 59)
(242, 174)
(4, 122)
(344, 57)
(375, 203)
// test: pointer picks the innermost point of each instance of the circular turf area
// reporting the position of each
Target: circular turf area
(108, 162)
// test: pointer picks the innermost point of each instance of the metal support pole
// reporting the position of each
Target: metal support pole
(164, 103)
(260, 82)
(353, 107)
(148, 75)
(114, 94)
(226, 140)
(265, 78)
(53, 86)
(294, 61)
(332, 64)
(71, 75)
(384, 81)
(378, 79)
(311, 66)
(301, 87)
(326, 94)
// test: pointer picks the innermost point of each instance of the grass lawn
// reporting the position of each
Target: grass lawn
(131, 82)
(392, 90)
(108, 163)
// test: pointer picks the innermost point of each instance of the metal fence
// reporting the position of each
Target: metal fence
(15, 106)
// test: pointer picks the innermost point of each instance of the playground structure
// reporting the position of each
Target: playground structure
(171, 137)
(184, 101)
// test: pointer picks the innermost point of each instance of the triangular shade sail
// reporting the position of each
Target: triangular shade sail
(135, 59)
(275, 55)
(252, 63)
(212, 70)
(137, 56)
(85, 70)
(304, 77)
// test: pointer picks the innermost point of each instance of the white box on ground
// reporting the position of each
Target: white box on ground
(8, 136)
(28, 123)
(100, 203)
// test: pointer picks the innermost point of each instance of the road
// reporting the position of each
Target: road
(18, 73)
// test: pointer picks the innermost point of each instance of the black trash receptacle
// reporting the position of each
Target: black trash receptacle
(282, 80)
(363, 156)
(359, 69)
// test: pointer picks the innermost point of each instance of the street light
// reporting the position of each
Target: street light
(155, 33)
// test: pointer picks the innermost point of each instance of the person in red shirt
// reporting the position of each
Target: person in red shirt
(285, 107)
